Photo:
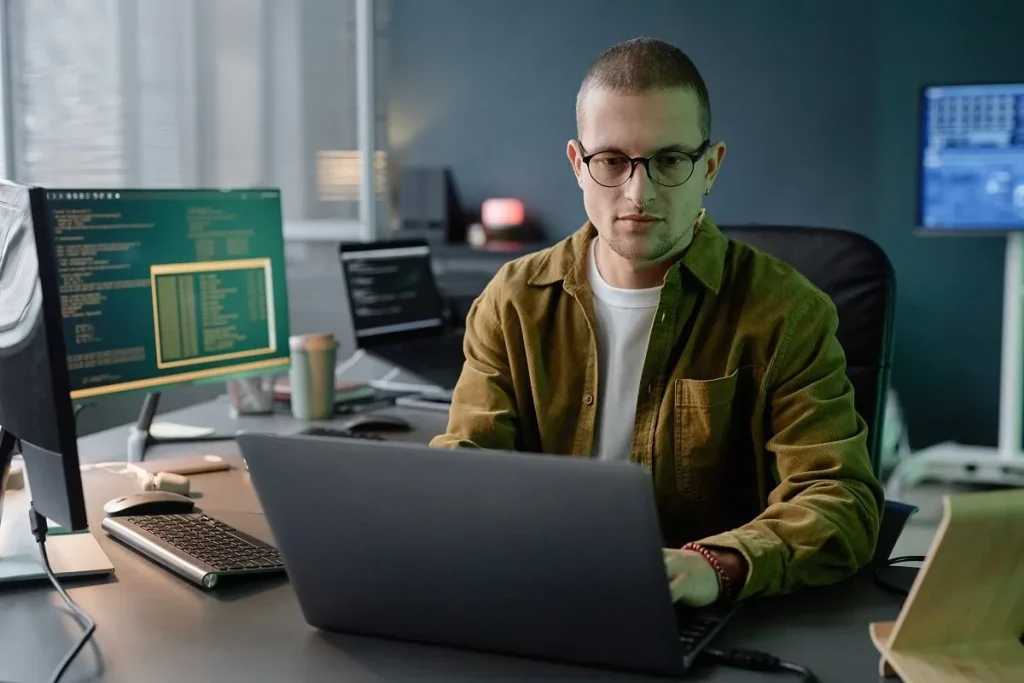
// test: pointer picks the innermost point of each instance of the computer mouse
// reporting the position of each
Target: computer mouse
(150, 503)
(372, 422)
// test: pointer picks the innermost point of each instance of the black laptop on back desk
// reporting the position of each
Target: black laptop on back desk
(397, 310)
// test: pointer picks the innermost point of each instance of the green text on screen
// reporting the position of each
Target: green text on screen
(162, 287)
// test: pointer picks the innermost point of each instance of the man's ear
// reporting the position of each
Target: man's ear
(715, 155)
(572, 151)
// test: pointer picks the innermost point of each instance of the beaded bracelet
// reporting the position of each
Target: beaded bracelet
(724, 580)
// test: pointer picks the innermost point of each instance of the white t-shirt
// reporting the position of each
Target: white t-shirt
(624, 320)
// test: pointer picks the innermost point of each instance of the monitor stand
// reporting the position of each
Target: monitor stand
(963, 464)
(8, 447)
(140, 436)
(76, 555)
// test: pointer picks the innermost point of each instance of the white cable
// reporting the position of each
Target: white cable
(349, 363)
(387, 385)
(127, 467)
(161, 481)
(80, 615)
(122, 468)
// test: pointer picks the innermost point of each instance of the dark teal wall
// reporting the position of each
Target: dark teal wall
(950, 288)
(817, 101)
(489, 88)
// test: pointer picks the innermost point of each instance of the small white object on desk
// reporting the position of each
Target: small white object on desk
(173, 430)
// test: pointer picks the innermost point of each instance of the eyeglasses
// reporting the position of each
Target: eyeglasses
(668, 169)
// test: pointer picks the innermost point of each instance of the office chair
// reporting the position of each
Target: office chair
(858, 276)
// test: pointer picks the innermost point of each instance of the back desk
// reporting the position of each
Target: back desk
(154, 627)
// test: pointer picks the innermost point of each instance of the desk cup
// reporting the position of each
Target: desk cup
(312, 375)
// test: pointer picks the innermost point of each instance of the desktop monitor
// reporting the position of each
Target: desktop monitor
(167, 287)
(392, 292)
(35, 404)
(972, 158)
(971, 182)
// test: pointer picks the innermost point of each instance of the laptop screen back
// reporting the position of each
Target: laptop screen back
(391, 292)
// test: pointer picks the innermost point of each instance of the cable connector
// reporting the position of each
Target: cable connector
(38, 523)
(747, 659)
(752, 660)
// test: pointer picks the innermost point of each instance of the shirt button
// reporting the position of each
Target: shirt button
(588, 399)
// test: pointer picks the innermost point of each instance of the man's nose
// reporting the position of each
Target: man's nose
(639, 188)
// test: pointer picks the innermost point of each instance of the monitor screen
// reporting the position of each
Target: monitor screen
(391, 291)
(972, 158)
(163, 287)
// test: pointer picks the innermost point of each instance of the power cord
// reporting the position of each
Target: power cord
(888, 585)
(751, 660)
(39, 527)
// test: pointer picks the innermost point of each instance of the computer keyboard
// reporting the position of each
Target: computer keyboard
(195, 546)
(341, 433)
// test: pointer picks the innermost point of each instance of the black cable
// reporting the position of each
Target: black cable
(888, 585)
(39, 527)
(751, 660)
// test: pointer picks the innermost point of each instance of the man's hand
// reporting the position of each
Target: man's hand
(692, 579)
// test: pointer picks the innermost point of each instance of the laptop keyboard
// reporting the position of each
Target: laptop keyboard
(694, 635)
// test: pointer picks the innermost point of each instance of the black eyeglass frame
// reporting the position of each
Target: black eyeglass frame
(694, 157)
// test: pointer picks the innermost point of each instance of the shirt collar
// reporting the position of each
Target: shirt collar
(567, 261)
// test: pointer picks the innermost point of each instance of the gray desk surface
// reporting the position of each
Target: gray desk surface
(153, 627)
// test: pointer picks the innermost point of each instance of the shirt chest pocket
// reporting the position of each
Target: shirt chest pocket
(703, 423)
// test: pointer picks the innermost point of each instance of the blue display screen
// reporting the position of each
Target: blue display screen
(972, 158)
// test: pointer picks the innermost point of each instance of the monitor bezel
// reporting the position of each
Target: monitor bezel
(936, 231)
(395, 338)
(47, 498)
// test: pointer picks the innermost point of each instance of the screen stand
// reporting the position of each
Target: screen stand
(140, 436)
(7, 450)
(957, 463)
(13, 567)
(74, 555)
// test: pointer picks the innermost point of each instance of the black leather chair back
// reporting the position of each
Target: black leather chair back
(857, 274)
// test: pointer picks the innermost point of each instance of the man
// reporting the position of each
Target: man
(649, 336)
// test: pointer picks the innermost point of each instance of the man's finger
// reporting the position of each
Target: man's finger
(676, 563)
(678, 588)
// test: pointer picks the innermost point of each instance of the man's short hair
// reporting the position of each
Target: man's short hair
(643, 64)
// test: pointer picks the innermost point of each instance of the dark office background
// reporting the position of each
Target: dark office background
(817, 101)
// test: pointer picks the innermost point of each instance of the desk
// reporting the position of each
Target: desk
(154, 627)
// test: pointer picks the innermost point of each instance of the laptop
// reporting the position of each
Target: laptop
(397, 310)
(537, 556)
